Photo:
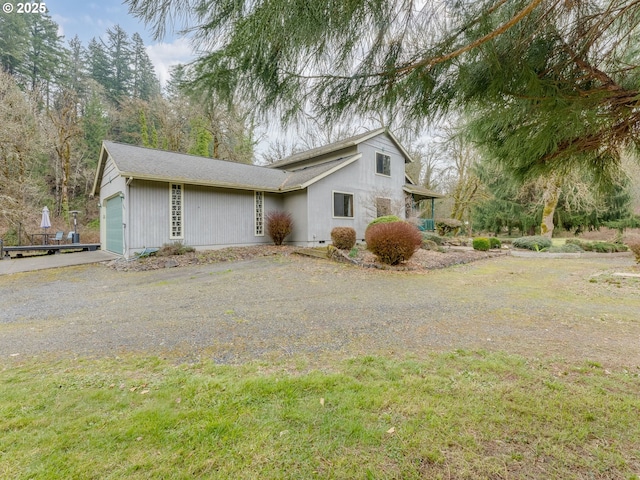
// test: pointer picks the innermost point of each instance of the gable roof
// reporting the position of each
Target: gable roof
(158, 165)
(340, 145)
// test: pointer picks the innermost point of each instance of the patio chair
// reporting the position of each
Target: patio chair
(70, 237)
(58, 237)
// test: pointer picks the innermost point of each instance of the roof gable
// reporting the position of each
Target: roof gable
(298, 159)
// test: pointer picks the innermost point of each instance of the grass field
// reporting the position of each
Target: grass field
(456, 415)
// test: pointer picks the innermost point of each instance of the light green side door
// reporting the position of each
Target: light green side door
(114, 225)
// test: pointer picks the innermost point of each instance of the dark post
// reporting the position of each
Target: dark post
(76, 235)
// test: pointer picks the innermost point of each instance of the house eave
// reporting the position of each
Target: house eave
(202, 183)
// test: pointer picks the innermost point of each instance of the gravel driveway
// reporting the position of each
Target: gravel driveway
(273, 307)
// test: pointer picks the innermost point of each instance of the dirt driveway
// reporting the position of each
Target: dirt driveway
(274, 307)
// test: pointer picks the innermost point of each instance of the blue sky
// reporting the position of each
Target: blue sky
(89, 19)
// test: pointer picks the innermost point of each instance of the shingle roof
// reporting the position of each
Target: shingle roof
(153, 164)
(336, 146)
(421, 191)
(160, 165)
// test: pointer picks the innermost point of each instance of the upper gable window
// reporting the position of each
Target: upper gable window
(383, 164)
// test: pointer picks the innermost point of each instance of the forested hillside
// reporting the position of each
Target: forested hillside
(59, 98)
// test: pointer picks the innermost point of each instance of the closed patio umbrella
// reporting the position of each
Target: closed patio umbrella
(45, 222)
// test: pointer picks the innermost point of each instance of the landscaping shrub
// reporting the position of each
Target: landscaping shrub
(600, 247)
(384, 219)
(633, 242)
(535, 242)
(433, 237)
(445, 226)
(481, 243)
(175, 248)
(566, 248)
(393, 242)
(279, 226)
(494, 242)
(343, 238)
(429, 245)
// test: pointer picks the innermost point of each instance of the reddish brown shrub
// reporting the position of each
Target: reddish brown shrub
(343, 238)
(393, 242)
(279, 226)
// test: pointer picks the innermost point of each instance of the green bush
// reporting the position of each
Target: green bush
(343, 238)
(393, 242)
(494, 242)
(600, 247)
(429, 245)
(175, 248)
(279, 226)
(384, 219)
(481, 243)
(567, 248)
(434, 237)
(535, 242)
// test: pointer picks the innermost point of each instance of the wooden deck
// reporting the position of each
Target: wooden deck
(48, 249)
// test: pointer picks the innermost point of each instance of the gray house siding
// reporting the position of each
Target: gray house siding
(361, 180)
(296, 204)
(212, 217)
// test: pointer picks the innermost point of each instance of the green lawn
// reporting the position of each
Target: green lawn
(457, 415)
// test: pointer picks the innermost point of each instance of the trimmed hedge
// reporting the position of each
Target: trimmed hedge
(393, 242)
(343, 238)
(481, 243)
(495, 242)
(535, 242)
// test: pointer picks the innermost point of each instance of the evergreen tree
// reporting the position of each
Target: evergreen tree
(120, 56)
(145, 84)
(14, 41)
(77, 67)
(98, 63)
(559, 79)
(95, 125)
(45, 52)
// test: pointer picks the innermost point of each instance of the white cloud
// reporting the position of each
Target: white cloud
(165, 55)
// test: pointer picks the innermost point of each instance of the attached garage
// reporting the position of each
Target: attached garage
(114, 231)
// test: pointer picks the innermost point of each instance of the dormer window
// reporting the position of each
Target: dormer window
(383, 164)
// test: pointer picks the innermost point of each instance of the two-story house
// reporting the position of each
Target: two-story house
(151, 197)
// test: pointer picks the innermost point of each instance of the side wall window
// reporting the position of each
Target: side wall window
(383, 164)
(342, 204)
(176, 211)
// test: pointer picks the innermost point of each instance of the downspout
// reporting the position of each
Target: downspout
(126, 202)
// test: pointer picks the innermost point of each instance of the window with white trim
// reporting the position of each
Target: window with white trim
(383, 164)
(176, 211)
(342, 204)
(259, 213)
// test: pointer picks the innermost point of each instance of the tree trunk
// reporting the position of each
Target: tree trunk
(550, 199)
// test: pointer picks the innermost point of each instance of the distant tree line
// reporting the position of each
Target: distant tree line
(59, 100)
